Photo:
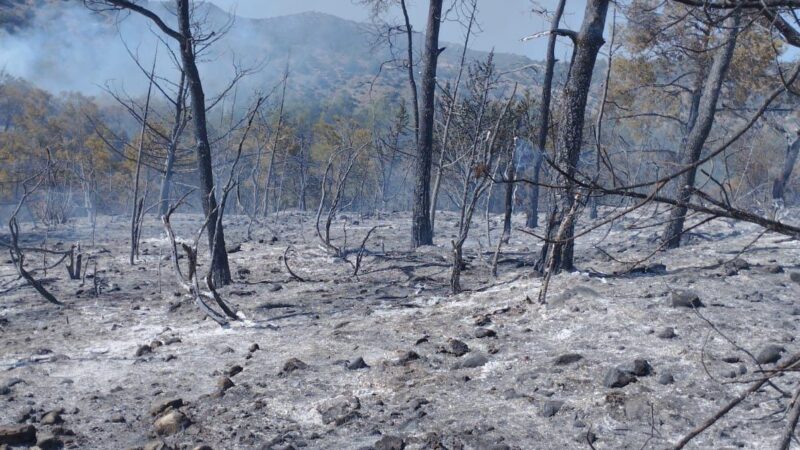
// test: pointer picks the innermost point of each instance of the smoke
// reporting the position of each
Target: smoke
(66, 47)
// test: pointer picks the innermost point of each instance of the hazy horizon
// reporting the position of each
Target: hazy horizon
(501, 27)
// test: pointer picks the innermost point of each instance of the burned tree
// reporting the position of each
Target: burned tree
(187, 42)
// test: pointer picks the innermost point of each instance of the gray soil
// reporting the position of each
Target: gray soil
(389, 359)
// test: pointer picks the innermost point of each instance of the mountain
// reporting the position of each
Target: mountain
(60, 45)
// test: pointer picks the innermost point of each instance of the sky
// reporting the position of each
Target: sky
(503, 22)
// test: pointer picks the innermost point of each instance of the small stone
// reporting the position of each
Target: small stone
(473, 361)
(143, 350)
(234, 370)
(406, 357)
(774, 268)
(224, 383)
(253, 348)
(454, 347)
(203, 447)
(567, 358)
(17, 434)
(291, 365)
(666, 378)
(390, 443)
(770, 354)
(685, 299)
(164, 405)
(616, 378)
(795, 311)
(49, 442)
(171, 423)
(117, 418)
(157, 445)
(52, 418)
(551, 407)
(667, 333)
(481, 333)
(795, 276)
(737, 264)
(357, 364)
(639, 367)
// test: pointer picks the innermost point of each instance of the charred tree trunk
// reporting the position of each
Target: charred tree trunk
(570, 133)
(511, 175)
(544, 117)
(421, 231)
(169, 163)
(779, 186)
(696, 140)
(220, 270)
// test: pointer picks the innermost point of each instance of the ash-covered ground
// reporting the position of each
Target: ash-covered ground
(389, 359)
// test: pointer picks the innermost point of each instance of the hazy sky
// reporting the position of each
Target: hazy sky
(503, 22)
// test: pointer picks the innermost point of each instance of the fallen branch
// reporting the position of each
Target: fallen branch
(289, 269)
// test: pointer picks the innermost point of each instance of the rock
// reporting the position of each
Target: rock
(143, 350)
(481, 333)
(49, 442)
(567, 358)
(770, 354)
(773, 268)
(454, 347)
(52, 418)
(795, 276)
(390, 443)
(616, 378)
(650, 269)
(291, 365)
(472, 361)
(639, 367)
(171, 423)
(406, 357)
(667, 333)
(224, 383)
(737, 264)
(234, 248)
(274, 287)
(163, 405)
(234, 370)
(339, 410)
(17, 434)
(357, 364)
(157, 445)
(117, 418)
(666, 378)
(253, 348)
(203, 447)
(551, 407)
(796, 311)
(685, 299)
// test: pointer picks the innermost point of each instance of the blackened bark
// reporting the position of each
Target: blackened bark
(421, 231)
(220, 270)
(696, 140)
(779, 186)
(544, 116)
(511, 175)
(570, 132)
(169, 164)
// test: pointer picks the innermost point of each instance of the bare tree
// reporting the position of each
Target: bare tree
(569, 139)
(421, 229)
(221, 273)
(543, 125)
(696, 140)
